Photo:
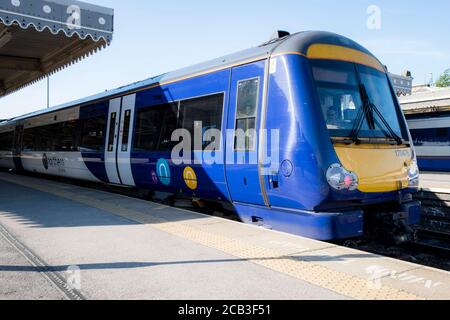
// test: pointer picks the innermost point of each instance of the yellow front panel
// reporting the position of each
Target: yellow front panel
(379, 168)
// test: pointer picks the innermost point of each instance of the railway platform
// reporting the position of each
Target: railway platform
(60, 241)
(435, 180)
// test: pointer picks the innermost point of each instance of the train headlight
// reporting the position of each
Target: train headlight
(413, 173)
(341, 179)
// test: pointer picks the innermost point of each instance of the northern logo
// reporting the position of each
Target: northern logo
(45, 161)
(52, 162)
(163, 171)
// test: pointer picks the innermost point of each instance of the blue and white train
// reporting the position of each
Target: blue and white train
(345, 153)
(431, 137)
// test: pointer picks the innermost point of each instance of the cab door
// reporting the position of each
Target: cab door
(244, 114)
(118, 140)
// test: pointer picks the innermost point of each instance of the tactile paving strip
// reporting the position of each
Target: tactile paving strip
(339, 282)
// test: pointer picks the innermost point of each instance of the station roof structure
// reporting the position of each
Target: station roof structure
(40, 37)
(427, 100)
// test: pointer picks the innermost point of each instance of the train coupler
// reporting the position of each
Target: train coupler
(394, 226)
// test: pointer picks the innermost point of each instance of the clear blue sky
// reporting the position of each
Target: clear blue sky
(153, 37)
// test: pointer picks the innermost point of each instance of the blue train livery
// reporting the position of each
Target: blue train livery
(323, 149)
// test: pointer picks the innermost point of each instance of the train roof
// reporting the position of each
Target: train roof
(298, 42)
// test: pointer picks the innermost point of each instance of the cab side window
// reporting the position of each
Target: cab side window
(246, 111)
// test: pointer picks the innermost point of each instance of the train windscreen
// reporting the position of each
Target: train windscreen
(357, 102)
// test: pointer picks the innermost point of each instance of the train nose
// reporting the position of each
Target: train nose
(379, 168)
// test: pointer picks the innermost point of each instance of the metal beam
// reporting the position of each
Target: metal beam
(5, 37)
(20, 63)
(2, 88)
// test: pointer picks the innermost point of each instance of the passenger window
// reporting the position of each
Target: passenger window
(62, 136)
(92, 134)
(154, 127)
(6, 141)
(66, 136)
(169, 125)
(148, 127)
(28, 140)
(126, 130)
(442, 132)
(431, 137)
(112, 131)
(202, 114)
(246, 111)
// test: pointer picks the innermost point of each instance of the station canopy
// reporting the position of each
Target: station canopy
(40, 37)
(427, 99)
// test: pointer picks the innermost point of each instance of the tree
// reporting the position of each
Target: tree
(444, 80)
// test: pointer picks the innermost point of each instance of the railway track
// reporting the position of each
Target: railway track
(434, 229)
(54, 276)
(432, 246)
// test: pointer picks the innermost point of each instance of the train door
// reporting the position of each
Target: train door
(17, 148)
(244, 116)
(118, 140)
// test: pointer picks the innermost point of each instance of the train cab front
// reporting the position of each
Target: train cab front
(374, 168)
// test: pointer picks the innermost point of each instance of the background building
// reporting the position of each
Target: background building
(402, 83)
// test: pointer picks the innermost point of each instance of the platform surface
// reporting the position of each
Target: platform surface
(439, 181)
(128, 248)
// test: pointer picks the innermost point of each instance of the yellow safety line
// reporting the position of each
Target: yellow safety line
(318, 275)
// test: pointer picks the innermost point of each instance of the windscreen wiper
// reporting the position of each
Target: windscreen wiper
(357, 125)
(374, 109)
(391, 133)
(363, 111)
